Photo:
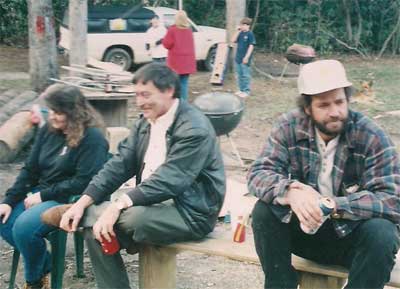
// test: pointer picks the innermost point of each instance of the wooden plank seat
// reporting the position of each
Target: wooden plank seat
(157, 265)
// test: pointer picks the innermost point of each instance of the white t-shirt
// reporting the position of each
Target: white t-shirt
(327, 153)
(157, 149)
(152, 36)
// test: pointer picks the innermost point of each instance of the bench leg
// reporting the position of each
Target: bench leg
(316, 281)
(157, 267)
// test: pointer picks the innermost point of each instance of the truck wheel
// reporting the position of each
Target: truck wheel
(120, 57)
(209, 62)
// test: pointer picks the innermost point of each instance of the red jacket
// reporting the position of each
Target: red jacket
(180, 44)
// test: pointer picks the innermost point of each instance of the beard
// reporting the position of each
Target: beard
(325, 129)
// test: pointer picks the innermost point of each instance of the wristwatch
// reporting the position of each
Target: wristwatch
(336, 215)
(330, 203)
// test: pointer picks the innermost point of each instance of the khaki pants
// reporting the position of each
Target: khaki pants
(157, 224)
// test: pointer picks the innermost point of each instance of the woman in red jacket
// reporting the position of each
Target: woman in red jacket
(181, 55)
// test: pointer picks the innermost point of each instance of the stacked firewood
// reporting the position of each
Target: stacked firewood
(98, 79)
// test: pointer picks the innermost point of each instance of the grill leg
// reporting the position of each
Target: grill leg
(235, 150)
(283, 71)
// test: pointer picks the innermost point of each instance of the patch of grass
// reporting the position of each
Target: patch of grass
(385, 74)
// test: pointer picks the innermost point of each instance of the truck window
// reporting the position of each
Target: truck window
(97, 25)
(138, 25)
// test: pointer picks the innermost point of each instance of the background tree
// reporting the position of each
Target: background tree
(78, 29)
(42, 44)
(235, 11)
(350, 26)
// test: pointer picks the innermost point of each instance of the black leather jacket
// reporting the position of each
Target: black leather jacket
(192, 174)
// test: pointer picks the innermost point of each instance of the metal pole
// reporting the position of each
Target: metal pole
(180, 5)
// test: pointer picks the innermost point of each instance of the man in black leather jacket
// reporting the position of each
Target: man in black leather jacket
(173, 152)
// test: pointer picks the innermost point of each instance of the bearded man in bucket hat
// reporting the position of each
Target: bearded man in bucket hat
(324, 155)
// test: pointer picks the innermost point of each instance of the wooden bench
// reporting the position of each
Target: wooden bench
(157, 265)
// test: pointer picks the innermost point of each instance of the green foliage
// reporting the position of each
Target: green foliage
(319, 23)
(17, 28)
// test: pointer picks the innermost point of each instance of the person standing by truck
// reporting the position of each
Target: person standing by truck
(181, 56)
(154, 36)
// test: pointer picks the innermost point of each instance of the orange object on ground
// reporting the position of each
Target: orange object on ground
(240, 233)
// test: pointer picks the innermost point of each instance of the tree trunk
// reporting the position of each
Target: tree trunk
(357, 37)
(395, 29)
(78, 11)
(235, 11)
(42, 44)
(255, 18)
(348, 21)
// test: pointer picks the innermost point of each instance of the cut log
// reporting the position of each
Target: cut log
(16, 104)
(14, 135)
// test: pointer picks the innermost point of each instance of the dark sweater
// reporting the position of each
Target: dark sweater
(57, 170)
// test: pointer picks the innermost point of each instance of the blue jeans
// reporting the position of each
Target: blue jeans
(184, 79)
(243, 73)
(368, 252)
(25, 231)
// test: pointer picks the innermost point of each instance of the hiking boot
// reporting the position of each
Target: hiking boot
(44, 283)
(53, 215)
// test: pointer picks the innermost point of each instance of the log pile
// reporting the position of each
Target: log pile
(108, 78)
(16, 129)
(15, 103)
(15, 133)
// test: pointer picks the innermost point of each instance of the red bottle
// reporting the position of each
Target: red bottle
(240, 232)
(110, 248)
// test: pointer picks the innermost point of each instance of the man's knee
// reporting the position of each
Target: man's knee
(262, 214)
(131, 219)
(379, 235)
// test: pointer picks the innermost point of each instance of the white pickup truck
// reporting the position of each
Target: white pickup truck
(117, 34)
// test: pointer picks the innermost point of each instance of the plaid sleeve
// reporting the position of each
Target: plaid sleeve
(379, 192)
(268, 177)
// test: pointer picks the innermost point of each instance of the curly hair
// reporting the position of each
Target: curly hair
(70, 101)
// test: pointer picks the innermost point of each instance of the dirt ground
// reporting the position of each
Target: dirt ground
(270, 98)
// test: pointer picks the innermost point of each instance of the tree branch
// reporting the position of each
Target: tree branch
(363, 55)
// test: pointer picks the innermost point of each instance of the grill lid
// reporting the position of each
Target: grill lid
(219, 103)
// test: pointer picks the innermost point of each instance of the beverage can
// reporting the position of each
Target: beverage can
(110, 248)
(326, 205)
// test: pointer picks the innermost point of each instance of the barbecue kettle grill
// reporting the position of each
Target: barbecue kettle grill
(224, 110)
(300, 54)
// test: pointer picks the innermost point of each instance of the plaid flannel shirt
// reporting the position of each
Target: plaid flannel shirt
(365, 175)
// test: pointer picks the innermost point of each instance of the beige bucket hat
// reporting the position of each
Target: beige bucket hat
(320, 76)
